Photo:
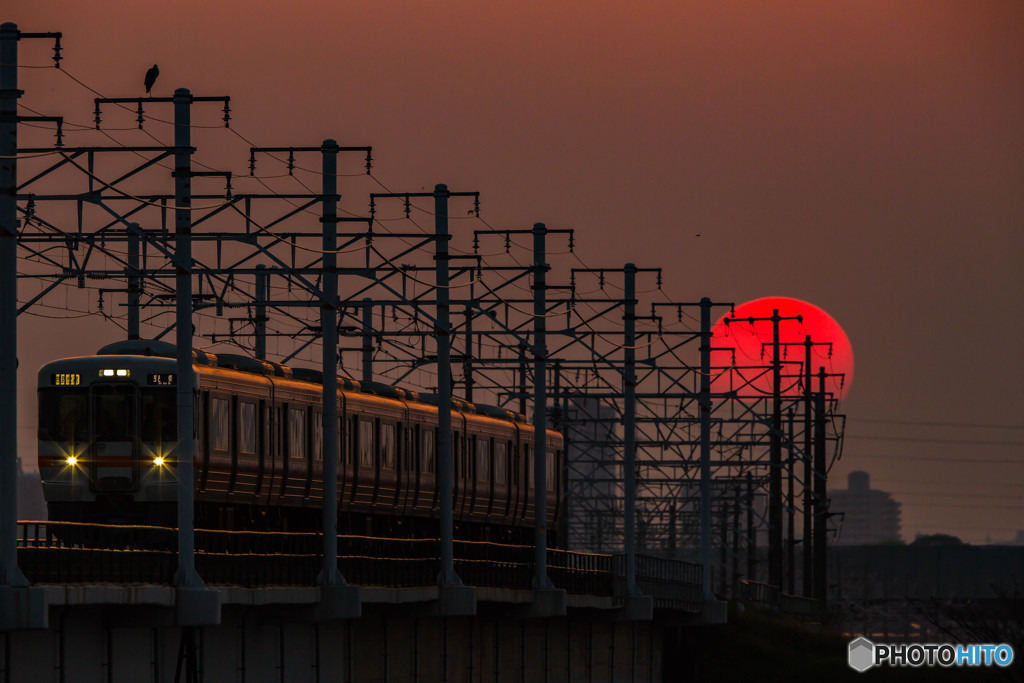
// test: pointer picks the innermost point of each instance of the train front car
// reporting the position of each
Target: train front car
(107, 434)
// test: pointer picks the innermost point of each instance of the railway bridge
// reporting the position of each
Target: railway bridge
(102, 605)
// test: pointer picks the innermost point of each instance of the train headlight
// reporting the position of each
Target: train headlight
(71, 460)
(158, 461)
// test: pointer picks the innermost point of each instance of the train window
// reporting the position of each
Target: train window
(297, 433)
(516, 466)
(387, 446)
(483, 458)
(458, 457)
(220, 433)
(427, 449)
(113, 411)
(341, 439)
(550, 467)
(318, 435)
(527, 465)
(353, 440)
(500, 462)
(159, 415)
(366, 443)
(62, 415)
(247, 428)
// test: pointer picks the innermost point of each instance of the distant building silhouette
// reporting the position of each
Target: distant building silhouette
(594, 504)
(869, 515)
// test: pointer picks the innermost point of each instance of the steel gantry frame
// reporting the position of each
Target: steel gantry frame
(686, 448)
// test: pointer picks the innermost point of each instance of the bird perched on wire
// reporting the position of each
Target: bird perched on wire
(151, 77)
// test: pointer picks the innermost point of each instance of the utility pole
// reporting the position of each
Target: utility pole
(442, 330)
(735, 540)
(260, 317)
(9, 223)
(186, 575)
(540, 400)
(329, 574)
(522, 379)
(134, 281)
(446, 577)
(723, 550)
(791, 511)
(367, 374)
(10, 574)
(705, 449)
(751, 531)
(775, 466)
(775, 552)
(629, 426)
(808, 549)
(808, 471)
(820, 497)
(467, 361)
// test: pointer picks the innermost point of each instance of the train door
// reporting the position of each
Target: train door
(528, 482)
(315, 461)
(458, 474)
(114, 456)
(261, 448)
(514, 470)
(204, 412)
(387, 482)
(483, 495)
(284, 434)
(406, 466)
(236, 434)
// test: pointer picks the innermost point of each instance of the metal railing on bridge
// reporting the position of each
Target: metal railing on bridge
(767, 596)
(66, 552)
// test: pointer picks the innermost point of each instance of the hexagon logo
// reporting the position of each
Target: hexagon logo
(862, 654)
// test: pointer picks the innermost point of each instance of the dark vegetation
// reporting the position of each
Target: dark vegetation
(766, 647)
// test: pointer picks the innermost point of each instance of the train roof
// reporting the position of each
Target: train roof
(153, 347)
(266, 368)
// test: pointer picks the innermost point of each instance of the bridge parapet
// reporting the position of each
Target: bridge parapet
(70, 553)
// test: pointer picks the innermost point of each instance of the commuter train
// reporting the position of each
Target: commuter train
(107, 436)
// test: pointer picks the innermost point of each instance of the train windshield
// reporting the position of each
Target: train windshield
(63, 415)
(159, 415)
(113, 412)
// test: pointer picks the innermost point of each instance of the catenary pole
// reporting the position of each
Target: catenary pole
(791, 511)
(775, 464)
(329, 574)
(447, 575)
(629, 428)
(134, 281)
(260, 318)
(9, 94)
(705, 449)
(808, 487)
(820, 496)
(186, 574)
(367, 353)
(540, 400)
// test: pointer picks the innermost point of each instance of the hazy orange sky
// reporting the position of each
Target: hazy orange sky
(867, 157)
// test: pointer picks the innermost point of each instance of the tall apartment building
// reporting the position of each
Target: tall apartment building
(594, 501)
(869, 515)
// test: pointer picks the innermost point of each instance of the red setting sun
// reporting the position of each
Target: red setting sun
(747, 335)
